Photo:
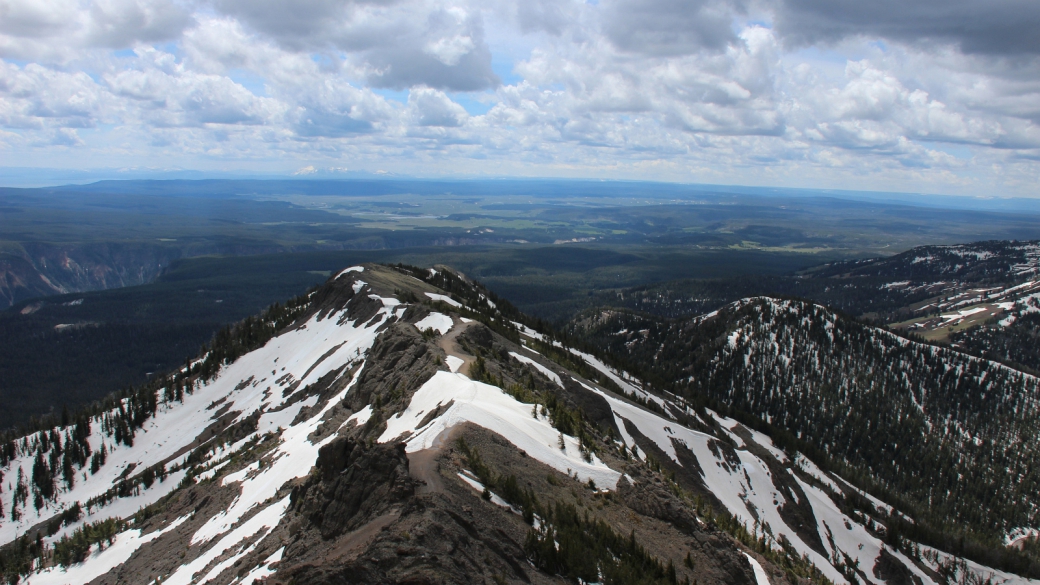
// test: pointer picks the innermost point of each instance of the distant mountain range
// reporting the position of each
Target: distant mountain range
(982, 297)
(28, 177)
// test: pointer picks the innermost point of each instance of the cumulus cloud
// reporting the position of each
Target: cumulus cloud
(995, 27)
(874, 107)
(42, 98)
(299, 25)
(551, 16)
(430, 107)
(56, 30)
(167, 94)
(698, 90)
(121, 23)
(670, 27)
(732, 92)
(396, 44)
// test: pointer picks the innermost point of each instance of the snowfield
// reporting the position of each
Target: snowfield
(739, 484)
(493, 409)
(746, 488)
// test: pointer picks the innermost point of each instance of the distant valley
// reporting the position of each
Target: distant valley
(111, 234)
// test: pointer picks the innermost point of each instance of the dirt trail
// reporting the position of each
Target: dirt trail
(354, 543)
(450, 346)
(423, 465)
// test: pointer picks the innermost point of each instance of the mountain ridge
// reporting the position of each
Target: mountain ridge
(746, 362)
(415, 428)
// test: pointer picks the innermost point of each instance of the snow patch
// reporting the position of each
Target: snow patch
(544, 370)
(625, 381)
(212, 471)
(806, 465)
(495, 498)
(445, 299)
(740, 485)
(454, 363)
(293, 458)
(493, 409)
(351, 269)
(263, 570)
(439, 322)
(360, 417)
(985, 574)
(524, 329)
(265, 521)
(760, 574)
(1019, 534)
(388, 302)
(100, 561)
(765, 441)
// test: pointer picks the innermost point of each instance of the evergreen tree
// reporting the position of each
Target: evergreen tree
(42, 477)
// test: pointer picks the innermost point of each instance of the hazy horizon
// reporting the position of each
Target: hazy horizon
(57, 178)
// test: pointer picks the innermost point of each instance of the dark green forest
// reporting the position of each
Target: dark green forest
(1017, 344)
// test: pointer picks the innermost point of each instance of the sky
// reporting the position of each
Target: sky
(938, 96)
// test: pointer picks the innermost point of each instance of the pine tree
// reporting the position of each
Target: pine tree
(68, 472)
(42, 477)
(98, 459)
(21, 490)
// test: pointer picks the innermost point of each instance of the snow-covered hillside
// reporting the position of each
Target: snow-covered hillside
(994, 260)
(746, 485)
(945, 428)
(211, 479)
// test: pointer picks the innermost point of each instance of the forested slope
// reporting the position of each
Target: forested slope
(948, 433)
